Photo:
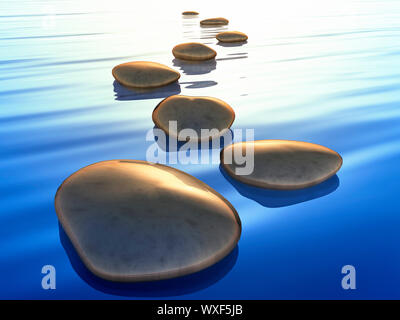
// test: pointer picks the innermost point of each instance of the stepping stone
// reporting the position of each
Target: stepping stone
(194, 113)
(135, 221)
(214, 22)
(193, 51)
(283, 164)
(190, 13)
(144, 74)
(231, 36)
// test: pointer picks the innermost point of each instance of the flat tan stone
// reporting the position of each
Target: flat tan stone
(190, 13)
(193, 113)
(144, 74)
(133, 221)
(214, 22)
(193, 51)
(231, 36)
(284, 164)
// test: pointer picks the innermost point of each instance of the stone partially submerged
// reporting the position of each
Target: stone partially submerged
(231, 36)
(195, 113)
(144, 74)
(193, 51)
(190, 13)
(136, 221)
(214, 22)
(283, 164)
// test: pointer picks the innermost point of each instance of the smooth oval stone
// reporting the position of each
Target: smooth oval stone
(144, 74)
(193, 113)
(231, 36)
(214, 22)
(134, 221)
(193, 51)
(284, 164)
(190, 13)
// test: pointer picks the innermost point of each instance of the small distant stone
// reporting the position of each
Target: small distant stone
(231, 36)
(193, 51)
(190, 13)
(284, 164)
(214, 22)
(194, 113)
(135, 221)
(144, 74)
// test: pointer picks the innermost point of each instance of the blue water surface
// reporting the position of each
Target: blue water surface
(317, 71)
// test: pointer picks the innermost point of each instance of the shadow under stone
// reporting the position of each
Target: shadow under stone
(165, 145)
(232, 58)
(210, 31)
(162, 288)
(195, 67)
(213, 26)
(199, 84)
(190, 16)
(231, 44)
(282, 198)
(123, 93)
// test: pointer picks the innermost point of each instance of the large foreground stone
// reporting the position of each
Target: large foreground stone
(135, 221)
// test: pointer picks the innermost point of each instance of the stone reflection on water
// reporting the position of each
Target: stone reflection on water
(195, 67)
(199, 84)
(282, 198)
(232, 44)
(124, 93)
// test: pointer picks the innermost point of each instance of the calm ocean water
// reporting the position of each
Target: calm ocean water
(318, 71)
